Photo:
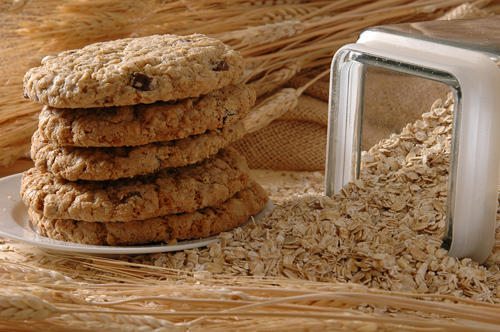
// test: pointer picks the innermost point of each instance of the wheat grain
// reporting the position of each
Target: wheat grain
(18, 271)
(275, 79)
(273, 107)
(49, 295)
(282, 13)
(24, 306)
(262, 34)
(270, 109)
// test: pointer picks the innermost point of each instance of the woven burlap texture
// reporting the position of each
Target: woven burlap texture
(294, 142)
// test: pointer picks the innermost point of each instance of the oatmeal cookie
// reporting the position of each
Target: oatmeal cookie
(99, 164)
(142, 124)
(198, 224)
(134, 71)
(168, 191)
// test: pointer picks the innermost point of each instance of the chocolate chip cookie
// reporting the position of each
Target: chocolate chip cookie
(197, 224)
(134, 71)
(168, 191)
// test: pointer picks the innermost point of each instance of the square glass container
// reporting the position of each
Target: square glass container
(463, 55)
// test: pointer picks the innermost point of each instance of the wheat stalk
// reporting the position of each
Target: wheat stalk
(275, 106)
(275, 79)
(24, 306)
(262, 34)
(198, 305)
(49, 295)
(17, 271)
(270, 109)
(29, 308)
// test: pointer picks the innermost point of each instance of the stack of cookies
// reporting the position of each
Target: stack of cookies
(133, 141)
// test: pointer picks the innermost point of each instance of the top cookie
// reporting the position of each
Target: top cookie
(134, 71)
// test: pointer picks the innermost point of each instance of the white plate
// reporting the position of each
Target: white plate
(15, 225)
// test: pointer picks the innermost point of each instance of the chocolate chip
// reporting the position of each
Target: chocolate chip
(221, 66)
(141, 81)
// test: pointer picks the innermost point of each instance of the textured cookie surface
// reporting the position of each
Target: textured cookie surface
(168, 191)
(198, 224)
(134, 71)
(142, 124)
(98, 164)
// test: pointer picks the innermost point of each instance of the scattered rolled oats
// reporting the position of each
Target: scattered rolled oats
(383, 230)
